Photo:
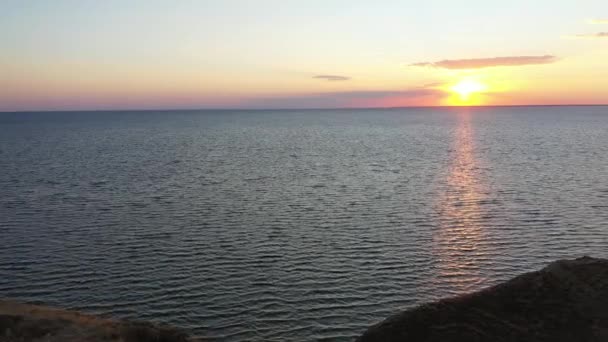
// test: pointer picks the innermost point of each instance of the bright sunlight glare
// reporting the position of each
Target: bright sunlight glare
(466, 87)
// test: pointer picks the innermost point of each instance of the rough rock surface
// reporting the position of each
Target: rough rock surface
(565, 301)
(24, 322)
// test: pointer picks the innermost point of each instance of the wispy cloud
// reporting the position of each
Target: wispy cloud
(478, 63)
(433, 85)
(592, 35)
(332, 77)
(597, 21)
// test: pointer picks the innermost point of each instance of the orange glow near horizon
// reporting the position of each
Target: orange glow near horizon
(88, 86)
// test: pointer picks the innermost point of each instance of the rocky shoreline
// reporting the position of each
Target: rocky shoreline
(21, 322)
(565, 301)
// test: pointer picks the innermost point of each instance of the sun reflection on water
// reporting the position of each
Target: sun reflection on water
(460, 236)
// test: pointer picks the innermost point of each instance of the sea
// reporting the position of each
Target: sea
(292, 225)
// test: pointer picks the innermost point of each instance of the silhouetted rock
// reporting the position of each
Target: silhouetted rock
(565, 301)
(25, 322)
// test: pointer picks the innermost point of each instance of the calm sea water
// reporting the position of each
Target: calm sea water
(292, 225)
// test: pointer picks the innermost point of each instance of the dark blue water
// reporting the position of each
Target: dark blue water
(292, 225)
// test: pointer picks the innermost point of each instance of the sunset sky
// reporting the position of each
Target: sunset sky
(72, 55)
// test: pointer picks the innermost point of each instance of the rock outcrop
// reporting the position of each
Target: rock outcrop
(25, 322)
(565, 301)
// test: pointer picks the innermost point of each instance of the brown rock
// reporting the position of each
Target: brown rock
(25, 322)
(565, 301)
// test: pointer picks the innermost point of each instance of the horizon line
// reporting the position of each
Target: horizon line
(281, 109)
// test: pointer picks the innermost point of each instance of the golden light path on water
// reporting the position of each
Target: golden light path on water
(458, 241)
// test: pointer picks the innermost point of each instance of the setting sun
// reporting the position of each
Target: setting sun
(466, 87)
(466, 92)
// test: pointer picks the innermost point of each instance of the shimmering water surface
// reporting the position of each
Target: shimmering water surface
(292, 225)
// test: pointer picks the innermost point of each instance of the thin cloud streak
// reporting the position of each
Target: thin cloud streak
(597, 21)
(478, 63)
(332, 77)
(592, 35)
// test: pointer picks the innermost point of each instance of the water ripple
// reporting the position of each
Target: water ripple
(292, 226)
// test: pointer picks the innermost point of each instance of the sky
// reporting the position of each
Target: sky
(152, 54)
